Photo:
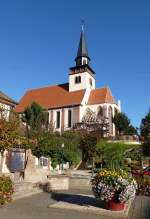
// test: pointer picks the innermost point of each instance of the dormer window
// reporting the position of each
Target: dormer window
(77, 79)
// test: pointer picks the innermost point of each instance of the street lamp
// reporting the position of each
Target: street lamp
(62, 158)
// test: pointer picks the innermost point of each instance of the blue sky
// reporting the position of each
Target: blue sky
(39, 39)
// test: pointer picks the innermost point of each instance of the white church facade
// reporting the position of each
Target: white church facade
(67, 103)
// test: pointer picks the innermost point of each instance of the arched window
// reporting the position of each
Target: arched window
(77, 79)
(110, 113)
(100, 112)
(110, 116)
(84, 61)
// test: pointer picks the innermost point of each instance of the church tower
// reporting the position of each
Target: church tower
(81, 76)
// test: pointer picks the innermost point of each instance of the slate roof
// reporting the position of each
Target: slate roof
(6, 99)
(82, 49)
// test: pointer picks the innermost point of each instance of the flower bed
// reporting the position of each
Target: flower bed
(143, 185)
(6, 190)
(111, 185)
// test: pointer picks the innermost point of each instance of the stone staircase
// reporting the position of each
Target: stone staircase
(24, 189)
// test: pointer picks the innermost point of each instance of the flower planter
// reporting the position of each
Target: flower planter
(115, 206)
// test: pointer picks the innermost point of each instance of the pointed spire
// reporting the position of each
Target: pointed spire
(82, 49)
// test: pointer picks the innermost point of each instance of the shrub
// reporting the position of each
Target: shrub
(6, 190)
(143, 185)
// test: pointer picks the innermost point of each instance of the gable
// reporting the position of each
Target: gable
(101, 95)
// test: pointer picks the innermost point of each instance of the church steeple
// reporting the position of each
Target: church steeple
(82, 53)
(82, 75)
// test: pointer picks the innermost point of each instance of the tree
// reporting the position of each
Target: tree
(36, 119)
(131, 130)
(50, 145)
(88, 146)
(94, 123)
(123, 125)
(145, 132)
(112, 154)
(9, 130)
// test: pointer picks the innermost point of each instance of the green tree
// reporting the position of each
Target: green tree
(131, 130)
(112, 154)
(88, 146)
(145, 132)
(123, 125)
(36, 119)
(50, 145)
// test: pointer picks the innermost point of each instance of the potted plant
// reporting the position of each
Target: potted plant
(115, 187)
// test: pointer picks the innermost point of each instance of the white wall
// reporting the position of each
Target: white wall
(74, 117)
(85, 83)
(6, 109)
(82, 109)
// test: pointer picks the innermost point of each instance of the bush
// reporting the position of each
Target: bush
(6, 190)
(143, 185)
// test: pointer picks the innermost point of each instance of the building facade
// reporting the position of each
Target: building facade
(67, 103)
(6, 105)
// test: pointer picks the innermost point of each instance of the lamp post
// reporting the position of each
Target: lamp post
(62, 158)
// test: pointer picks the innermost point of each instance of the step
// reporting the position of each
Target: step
(24, 194)
(24, 189)
(23, 186)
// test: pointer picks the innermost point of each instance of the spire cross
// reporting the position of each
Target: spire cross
(82, 24)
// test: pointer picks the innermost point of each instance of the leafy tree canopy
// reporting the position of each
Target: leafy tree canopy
(10, 131)
(123, 125)
(88, 146)
(36, 119)
(50, 145)
(145, 132)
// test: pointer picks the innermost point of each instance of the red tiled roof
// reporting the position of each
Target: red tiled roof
(51, 97)
(101, 95)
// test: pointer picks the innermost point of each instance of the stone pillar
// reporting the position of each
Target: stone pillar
(4, 166)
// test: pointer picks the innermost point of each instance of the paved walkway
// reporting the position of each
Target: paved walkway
(141, 208)
(36, 207)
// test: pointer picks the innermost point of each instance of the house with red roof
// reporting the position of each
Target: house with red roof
(6, 104)
(67, 103)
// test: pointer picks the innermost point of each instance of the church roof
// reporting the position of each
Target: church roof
(6, 100)
(101, 95)
(82, 49)
(51, 97)
(59, 96)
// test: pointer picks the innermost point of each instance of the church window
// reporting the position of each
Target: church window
(77, 79)
(69, 118)
(43, 161)
(58, 119)
(110, 113)
(110, 116)
(90, 81)
(84, 62)
(100, 112)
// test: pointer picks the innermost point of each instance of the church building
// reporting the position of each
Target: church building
(67, 103)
